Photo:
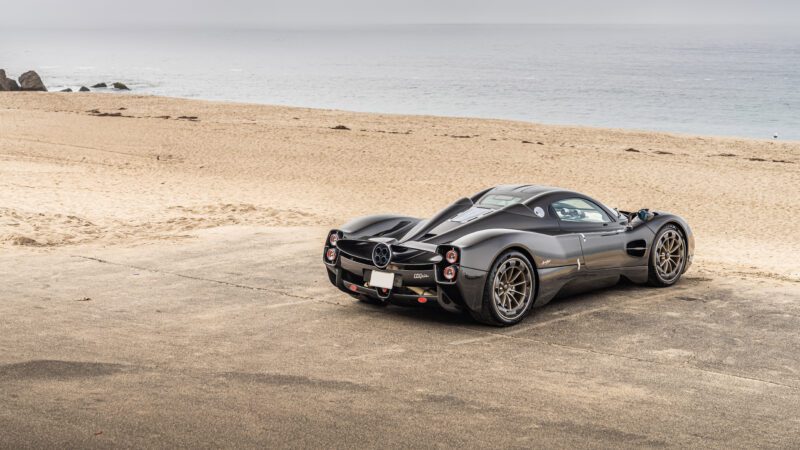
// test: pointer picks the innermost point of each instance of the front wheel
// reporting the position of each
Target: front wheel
(667, 257)
(509, 291)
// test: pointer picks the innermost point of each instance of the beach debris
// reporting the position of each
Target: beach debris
(392, 132)
(84, 299)
(633, 150)
(7, 84)
(121, 86)
(66, 90)
(340, 127)
(30, 81)
(83, 89)
(25, 241)
(99, 85)
(98, 113)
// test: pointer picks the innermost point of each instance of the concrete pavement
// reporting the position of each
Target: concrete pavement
(236, 338)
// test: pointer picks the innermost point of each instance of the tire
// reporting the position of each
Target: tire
(667, 257)
(503, 306)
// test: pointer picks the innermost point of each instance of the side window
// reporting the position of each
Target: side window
(579, 210)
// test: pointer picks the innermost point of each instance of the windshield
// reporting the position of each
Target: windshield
(497, 201)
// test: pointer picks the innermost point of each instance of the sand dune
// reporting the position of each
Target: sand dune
(79, 169)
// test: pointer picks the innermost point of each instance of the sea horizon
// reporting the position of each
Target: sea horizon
(718, 80)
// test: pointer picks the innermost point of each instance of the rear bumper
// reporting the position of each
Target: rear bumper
(417, 285)
(416, 276)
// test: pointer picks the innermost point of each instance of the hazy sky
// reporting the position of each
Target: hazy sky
(256, 13)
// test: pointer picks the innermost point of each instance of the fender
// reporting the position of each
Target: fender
(555, 260)
(481, 248)
(664, 218)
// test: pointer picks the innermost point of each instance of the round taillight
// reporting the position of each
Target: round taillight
(333, 238)
(451, 256)
(331, 254)
(449, 272)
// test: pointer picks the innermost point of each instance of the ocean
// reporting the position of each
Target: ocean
(710, 80)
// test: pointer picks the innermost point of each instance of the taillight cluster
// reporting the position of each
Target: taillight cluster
(331, 252)
(449, 267)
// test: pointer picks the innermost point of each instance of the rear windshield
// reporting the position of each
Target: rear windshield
(497, 201)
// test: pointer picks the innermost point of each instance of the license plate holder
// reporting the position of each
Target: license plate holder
(381, 279)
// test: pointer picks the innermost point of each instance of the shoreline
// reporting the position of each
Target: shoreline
(631, 130)
(85, 169)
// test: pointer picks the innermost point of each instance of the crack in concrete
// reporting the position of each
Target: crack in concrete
(210, 280)
(487, 333)
(632, 358)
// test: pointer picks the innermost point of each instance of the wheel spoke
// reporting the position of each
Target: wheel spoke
(497, 299)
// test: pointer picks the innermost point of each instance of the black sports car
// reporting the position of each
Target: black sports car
(505, 250)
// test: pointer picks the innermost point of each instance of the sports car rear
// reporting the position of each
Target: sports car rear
(378, 268)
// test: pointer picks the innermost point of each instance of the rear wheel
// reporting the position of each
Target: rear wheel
(509, 291)
(667, 257)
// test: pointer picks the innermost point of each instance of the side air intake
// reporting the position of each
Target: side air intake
(637, 248)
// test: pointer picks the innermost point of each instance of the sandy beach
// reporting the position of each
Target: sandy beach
(123, 169)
